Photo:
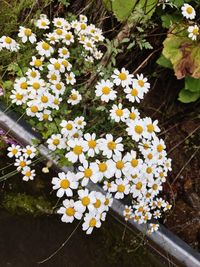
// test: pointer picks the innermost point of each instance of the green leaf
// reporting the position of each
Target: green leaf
(164, 62)
(169, 19)
(7, 85)
(183, 53)
(192, 84)
(186, 96)
(178, 3)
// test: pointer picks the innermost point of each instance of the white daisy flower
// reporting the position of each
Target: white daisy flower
(18, 97)
(32, 73)
(136, 129)
(22, 162)
(142, 83)
(109, 147)
(139, 187)
(122, 188)
(56, 142)
(122, 77)
(42, 23)
(37, 62)
(134, 93)
(117, 113)
(104, 90)
(103, 169)
(80, 122)
(91, 144)
(151, 128)
(188, 11)
(74, 98)
(134, 114)
(64, 183)
(44, 49)
(119, 165)
(63, 52)
(14, 151)
(70, 78)
(85, 199)
(59, 22)
(86, 172)
(29, 151)
(58, 88)
(193, 32)
(45, 115)
(28, 174)
(68, 38)
(69, 212)
(54, 77)
(77, 150)
(68, 128)
(9, 43)
(26, 35)
(91, 220)
(52, 38)
(56, 65)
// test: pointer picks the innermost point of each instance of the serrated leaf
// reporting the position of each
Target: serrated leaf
(169, 19)
(186, 96)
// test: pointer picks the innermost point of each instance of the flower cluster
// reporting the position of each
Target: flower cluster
(50, 76)
(127, 158)
(139, 172)
(189, 13)
(23, 159)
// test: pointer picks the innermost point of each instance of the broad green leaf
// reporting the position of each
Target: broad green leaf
(186, 96)
(164, 62)
(148, 6)
(192, 84)
(178, 3)
(169, 19)
(183, 53)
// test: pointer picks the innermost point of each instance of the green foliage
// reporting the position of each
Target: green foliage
(192, 84)
(124, 10)
(164, 62)
(27, 204)
(169, 19)
(66, 3)
(186, 96)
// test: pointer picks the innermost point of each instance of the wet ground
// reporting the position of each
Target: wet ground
(25, 240)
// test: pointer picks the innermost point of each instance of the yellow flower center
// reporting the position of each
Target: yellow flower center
(78, 150)
(29, 152)
(19, 96)
(64, 184)
(119, 164)
(83, 26)
(189, 10)
(122, 76)
(69, 126)
(8, 40)
(27, 32)
(14, 151)
(132, 116)
(149, 156)
(57, 66)
(92, 144)
(53, 77)
(160, 148)
(45, 117)
(111, 145)
(119, 112)
(43, 23)
(65, 64)
(134, 162)
(45, 46)
(103, 167)
(34, 109)
(67, 37)
(85, 201)
(88, 173)
(97, 204)
(22, 164)
(64, 52)
(73, 96)
(59, 31)
(23, 85)
(149, 170)
(138, 129)
(106, 202)
(138, 185)
(70, 211)
(36, 85)
(195, 31)
(44, 99)
(92, 222)
(141, 83)
(150, 128)
(120, 188)
(38, 63)
(134, 92)
(28, 174)
(56, 141)
(155, 187)
(106, 90)
(33, 74)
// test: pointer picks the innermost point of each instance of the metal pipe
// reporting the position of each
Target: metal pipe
(163, 241)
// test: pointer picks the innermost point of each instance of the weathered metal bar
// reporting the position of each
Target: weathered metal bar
(164, 242)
